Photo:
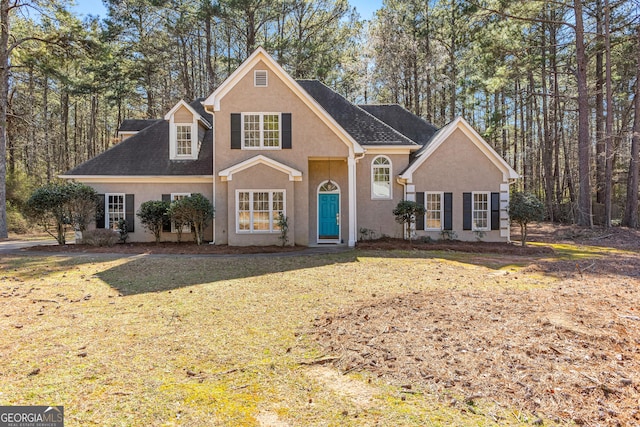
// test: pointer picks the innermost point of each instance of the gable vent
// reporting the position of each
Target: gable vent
(260, 78)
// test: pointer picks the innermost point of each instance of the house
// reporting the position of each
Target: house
(263, 144)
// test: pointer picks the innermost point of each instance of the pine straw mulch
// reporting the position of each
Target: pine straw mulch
(569, 353)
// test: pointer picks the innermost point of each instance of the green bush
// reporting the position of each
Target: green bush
(406, 212)
(16, 222)
(195, 210)
(523, 209)
(153, 215)
(100, 237)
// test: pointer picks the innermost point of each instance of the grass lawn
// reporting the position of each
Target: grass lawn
(193, 341)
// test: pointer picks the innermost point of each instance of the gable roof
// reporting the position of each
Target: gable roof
(135, 125)
(212, 103)
(443, 134)
(191, 109)
(227, 174)
(362, 126)
(410, 125)
(147, 154)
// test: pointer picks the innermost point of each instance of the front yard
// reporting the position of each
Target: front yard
(402, 338)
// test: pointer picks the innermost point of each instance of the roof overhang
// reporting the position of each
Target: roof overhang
(508, 173)
(212, 103)
(149, 179)
(227, 174)
(390, 149)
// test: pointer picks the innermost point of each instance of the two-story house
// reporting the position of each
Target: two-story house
(263, 144)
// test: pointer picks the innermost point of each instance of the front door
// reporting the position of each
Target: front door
(328, 217)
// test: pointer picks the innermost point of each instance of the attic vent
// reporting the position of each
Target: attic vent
(260, 78)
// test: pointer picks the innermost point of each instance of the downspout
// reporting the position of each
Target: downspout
(213, 167)
(403, 182)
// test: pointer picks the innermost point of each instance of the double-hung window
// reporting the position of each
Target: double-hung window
(433, 211)
(114, 210)
(480, 212)
(183, 140)
(381, 178)
(258, 211)
(261, 131)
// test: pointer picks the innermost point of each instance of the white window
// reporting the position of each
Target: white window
(183, 140)
(260, 78)
(186, 228)
(114, 210)
(260, 130)
(381, 178)
(433, 211)
(480, 212)
(258, 210)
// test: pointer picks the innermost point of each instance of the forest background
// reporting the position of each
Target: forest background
(551, 85)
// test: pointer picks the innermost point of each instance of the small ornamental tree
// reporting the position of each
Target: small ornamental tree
(406, 212)
(82, 204)
(153, 214)
(50, 204)
(523, 209)
(195, 210)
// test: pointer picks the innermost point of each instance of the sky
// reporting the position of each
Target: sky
(366, 8)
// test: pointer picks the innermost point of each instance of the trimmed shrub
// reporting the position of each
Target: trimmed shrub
(101, 237)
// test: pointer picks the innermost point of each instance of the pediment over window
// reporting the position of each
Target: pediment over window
(185, 126)
(227, 174)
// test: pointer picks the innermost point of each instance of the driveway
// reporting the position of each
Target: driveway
(9, 246)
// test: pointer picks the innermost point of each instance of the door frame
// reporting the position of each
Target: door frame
(318, 193)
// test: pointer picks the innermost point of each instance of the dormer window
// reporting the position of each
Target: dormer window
(183, 140)
(260, 78)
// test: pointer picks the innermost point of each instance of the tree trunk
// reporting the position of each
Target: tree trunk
(600, 135)
(4, 94)
(608, 171)
(631, 211)
(584, 145)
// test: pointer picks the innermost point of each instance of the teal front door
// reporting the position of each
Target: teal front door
(329, 216)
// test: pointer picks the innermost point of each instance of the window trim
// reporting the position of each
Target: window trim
(107, 218)
(272, 218)
(261, 116)
(373, 168)
(173, 140)
(487, 194)
(185, 228)
(190, 126)
(426, 220)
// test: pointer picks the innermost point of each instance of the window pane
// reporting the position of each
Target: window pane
(183, 140)
(381, 181)
(433, 205)
(277, 208)
(115, 210)
(271, 127)
(252, 130)
(244, 216)
(259, 210)
(480, 210)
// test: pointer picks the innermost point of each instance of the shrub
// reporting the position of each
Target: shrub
(153, 215)
(16, 222)
(195, 210)
(523, 209)
(101, 237)
(406, 212)
(283, 224)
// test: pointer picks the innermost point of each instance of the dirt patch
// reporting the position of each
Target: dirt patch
(358, 392)
(567, 353)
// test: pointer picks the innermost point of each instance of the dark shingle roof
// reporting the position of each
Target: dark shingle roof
(362, 126)
(147, 153)
(135, 125)
(413, 127)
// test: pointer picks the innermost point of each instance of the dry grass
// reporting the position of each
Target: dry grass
(158, 341)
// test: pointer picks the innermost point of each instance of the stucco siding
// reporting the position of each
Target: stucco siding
(182, 115)
(144, 192)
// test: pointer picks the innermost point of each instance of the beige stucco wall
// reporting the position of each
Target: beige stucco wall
(182, 115)
(377, 214)
(311, 138)
(458, 166)
(320, 172)
(153, 191)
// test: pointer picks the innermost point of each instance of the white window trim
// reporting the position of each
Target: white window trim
(441, 194)
(272, 218)
(473, 210)
(373, 167)
(261, 146)
(173, 140)
(106, 208)
(185, 228)
(266, 78)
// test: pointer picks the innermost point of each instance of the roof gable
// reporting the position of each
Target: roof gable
(443, 134)
(212, 103)
(227, 174)
(192, 110)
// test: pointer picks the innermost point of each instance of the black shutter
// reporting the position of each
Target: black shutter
(100, 212)
(495, 211)
(448, 211)
(129, 213)
(166, 226)
(236, 131)
(466, 211)
(420, 218)
(286, 130)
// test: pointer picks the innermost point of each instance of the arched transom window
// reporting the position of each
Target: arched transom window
(381, 178)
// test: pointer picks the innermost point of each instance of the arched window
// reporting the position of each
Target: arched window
(381, 178)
